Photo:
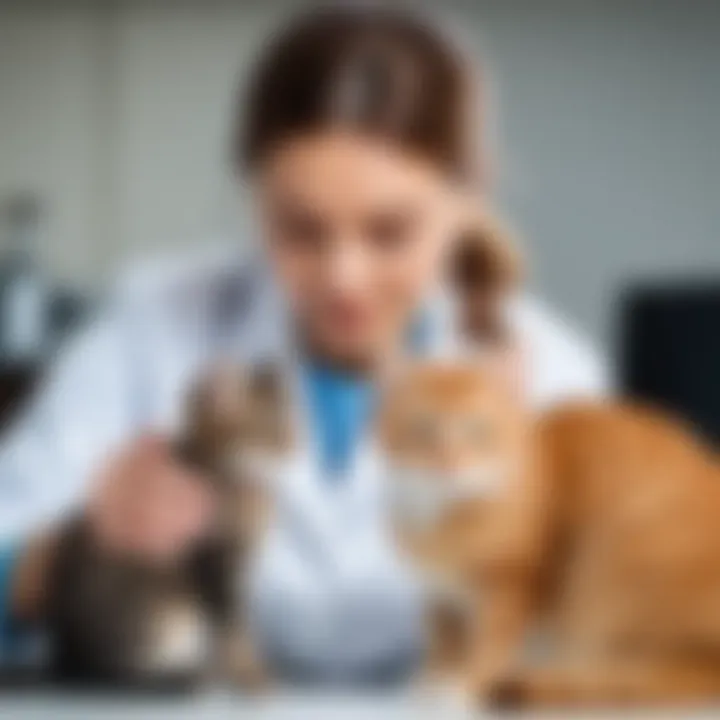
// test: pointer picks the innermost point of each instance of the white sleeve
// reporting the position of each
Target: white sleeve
(560, 363)
(81, 411)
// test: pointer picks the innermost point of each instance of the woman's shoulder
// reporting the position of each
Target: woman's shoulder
(561, 362)
(165, 275)
(190, 293)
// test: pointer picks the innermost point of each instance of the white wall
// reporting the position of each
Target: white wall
(177, 76)
(117, 114)
(48, 125)
(611, 131)
(610, 113)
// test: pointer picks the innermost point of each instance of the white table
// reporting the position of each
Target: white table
(35, 705)
(221, 706)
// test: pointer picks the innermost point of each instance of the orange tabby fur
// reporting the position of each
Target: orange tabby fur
(604, 530)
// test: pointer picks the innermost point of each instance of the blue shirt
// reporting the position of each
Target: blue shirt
(340, 405)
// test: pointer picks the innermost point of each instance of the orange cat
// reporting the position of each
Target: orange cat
(598, 522)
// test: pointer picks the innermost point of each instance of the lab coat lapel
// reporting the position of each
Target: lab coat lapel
(310, 502)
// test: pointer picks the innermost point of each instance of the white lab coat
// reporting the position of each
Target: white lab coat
(328, 592)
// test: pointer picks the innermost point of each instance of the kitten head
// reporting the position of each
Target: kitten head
(238, 419)
(452, 433)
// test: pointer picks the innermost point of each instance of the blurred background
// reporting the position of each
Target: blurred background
(114, 117)
(114, 114)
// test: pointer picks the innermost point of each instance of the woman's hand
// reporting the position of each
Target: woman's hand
(147, 504)
(143, 503)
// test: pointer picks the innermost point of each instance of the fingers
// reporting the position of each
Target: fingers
(147, 504)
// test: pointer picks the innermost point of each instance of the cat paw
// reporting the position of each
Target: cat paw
(254, 679)
(249, 675)
(243, 670)
(507, 694)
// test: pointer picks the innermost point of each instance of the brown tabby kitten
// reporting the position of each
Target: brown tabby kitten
(597, 521)
(115, 621)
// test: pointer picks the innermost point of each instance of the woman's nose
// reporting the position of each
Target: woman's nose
(346, 267)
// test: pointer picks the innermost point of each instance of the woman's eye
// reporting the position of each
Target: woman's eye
(301, 230)
(390, 232)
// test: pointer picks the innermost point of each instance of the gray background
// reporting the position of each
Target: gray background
(605, 122)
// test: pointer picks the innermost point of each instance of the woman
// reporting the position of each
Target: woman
(355, 139)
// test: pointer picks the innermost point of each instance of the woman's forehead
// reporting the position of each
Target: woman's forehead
(345, 165)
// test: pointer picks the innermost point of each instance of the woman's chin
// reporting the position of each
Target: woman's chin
(356, 350)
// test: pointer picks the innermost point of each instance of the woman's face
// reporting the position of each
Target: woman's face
(357, 233)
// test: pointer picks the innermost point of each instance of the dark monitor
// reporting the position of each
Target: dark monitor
(670, 350)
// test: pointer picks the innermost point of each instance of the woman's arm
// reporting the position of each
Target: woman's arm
(82, 430)
(22, 578)
(81, 411)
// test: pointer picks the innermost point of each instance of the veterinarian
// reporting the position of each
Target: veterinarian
(359, 138)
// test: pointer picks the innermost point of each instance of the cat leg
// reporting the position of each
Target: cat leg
(177, 643)
(447, 626)
(237, 657)
(218, 569)
(498, 631)
(240, 662)
(611, 682)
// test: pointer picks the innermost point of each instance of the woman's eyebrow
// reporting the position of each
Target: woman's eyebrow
(402, 211)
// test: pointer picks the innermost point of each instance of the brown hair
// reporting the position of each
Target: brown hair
(382, 71)
(487, 256)
(486, 268)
